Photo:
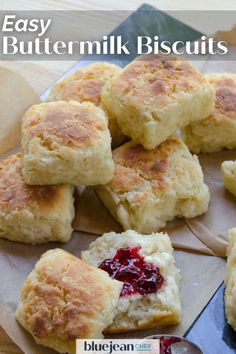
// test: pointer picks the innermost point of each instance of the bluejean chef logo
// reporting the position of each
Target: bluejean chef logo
(117, 346)
(114, 347)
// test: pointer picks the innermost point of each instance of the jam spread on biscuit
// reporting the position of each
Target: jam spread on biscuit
(139, 277)
(166, 343)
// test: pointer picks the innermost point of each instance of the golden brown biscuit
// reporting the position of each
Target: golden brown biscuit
(85, 84)
(154, 96)
(33, 214)
(64, 298)
(218, 130)
(153, 298)
(230, 280)
(66, 142)
(151, 187)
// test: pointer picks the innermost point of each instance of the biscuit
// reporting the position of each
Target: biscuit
(86, 84)
(218, 130)
(152, 302)
(151, 187)
(64, 298)
(154, 96)
(228, 169)
(66, 142)
(230, 280)
(33, 214)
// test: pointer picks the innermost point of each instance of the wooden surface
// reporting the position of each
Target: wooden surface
(41, 74)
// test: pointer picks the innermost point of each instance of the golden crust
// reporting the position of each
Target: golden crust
(151, 187)
(64, 299)
(65, 123)
(154, 96)
(33, 214)
(15, 194)
(225, 101)
(135, 165)
(84, 84)
(66, 142)
(216, 131)
(158, 79)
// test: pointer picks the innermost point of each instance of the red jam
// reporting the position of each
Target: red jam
(166, 343)
(139, 277)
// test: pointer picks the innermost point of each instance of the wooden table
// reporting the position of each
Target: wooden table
(43, 73)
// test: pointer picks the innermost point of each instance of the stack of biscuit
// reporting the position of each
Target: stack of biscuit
(145, 183)
(64, 143)
(86, 84)
(156, 177)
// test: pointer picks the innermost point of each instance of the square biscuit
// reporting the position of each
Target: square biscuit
(230, 281)
(228, 169)
(154, 96)
(66, 142)
(64, 298)
(86, 84)
(151, 187)
(218, 130)
(33, 214)
(160, 305)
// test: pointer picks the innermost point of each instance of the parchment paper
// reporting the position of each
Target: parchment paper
(201, 272)
(16, 95)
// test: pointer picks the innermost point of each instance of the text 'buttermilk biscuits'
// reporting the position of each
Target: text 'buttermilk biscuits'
(151, 187)
(218, 130)
(66, 142)
(86, 84)
(154, 96)
(33, 214)
(230, 280)
(64, 299)
(150, 294)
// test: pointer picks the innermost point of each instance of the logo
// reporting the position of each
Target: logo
(117, 346)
